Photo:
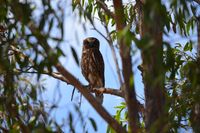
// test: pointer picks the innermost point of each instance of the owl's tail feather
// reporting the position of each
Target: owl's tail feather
(99, 98)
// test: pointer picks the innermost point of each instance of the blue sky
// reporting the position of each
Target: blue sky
(74, 35)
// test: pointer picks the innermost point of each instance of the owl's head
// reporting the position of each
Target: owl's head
(90, 43)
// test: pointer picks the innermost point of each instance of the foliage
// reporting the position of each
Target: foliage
(21, 108)
(26, 28)
(179, 17)
(183, 88)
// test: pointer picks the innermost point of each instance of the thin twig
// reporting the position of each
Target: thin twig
(91, 99)
(110, 42)
(70, 79)
(112, 91)
(105, 8)
(67, 77)
(197, 1)
(73, 93)
(17, 51)
(116, 92)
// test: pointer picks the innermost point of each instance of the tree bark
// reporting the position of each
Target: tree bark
(153, 69)
(104, 114)
(70, 79)
(198, 32)
(195, 113)
(129, 90)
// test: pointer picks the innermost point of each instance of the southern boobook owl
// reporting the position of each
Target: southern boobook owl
(92, 65)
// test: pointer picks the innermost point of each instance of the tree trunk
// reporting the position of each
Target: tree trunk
(195, 113)
(153, 69)
(129, 90)
(198, 32)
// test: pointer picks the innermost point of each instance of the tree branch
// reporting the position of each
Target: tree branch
(73, 81)
(109, 40)
(197, 1)
(112, 91)
(56, 75)
(91, 99)
(105, 8)
(129, 90)
(116, 92)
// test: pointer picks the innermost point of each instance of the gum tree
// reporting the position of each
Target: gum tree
(169, 70)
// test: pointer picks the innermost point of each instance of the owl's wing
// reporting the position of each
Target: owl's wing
(99, 64)
(84, 65)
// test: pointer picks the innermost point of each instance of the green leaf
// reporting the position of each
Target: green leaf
(174, 27)
(71, 123)
(122, 106)
(51, 24)
(89, 2)
(110, 130)
(75, 55)
(32, 119)
(93, 123)
(188, 46)
(118, 115)
(82, 4)
(60, 52)
(42, 22)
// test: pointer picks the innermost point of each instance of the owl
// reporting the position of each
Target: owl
(92, 65)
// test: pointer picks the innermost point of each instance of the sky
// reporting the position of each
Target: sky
(60, 93)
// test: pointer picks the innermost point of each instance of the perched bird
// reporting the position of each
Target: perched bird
(92, 65)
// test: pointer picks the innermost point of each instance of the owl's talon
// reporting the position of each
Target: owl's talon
(89, 87)
(97, 91)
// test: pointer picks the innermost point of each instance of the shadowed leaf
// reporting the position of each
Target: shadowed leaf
(75, 55)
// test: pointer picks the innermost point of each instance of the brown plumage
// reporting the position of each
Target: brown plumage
(92, 65)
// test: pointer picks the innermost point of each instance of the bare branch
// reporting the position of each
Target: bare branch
(94, 28)
(110, 42)
(70, 79)
(105, 8)
(112, 91)
(116, 92)
(73, 81)
(197, 1)
(98, 107)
